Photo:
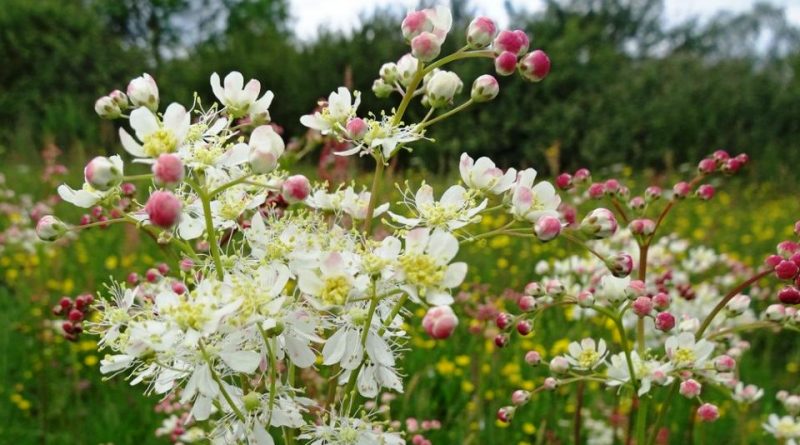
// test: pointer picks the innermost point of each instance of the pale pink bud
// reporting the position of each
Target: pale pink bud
(737, 305)
(708, 412)
(786, 270)
(554, 287)
(599, 224)
(505, 63)
(440, 322)
(789, 295)
(665, 321)
(533, 358)
(705, 192)
(107, 108)
(426, 46)
(775, 312)
(585, 298)
(642, 227)
(50, 228)
(707, 166)
(681, 190)
(143, 92)
(534, 289)
(535, 66)
(119, 98)
(505, 414)
(792, 403)
(597, 190)
(620, 265)
(637, 203)
(642, 306)
(168, 170)
(412, 426)
(550, 383)
(559, 365)
(526, 303)
(721, 155)
(295, 189)
(163, 208)
(582, 175)
(773, 261)
(186, 264)
(652, 193)
(515, 42)
(520, 397)
(480, 32)
(415, 23)
(690, 388)
(152, 275)
(524, 327)
(356, 128)
(102, 173)
(661, 301)
(127, 189)
(724, 363)
(484, 88)
(547, 228)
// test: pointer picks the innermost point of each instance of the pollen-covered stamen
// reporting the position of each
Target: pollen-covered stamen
(335, 290)
(159, 142)
(422, 270)
(684, 356)
(588, 357)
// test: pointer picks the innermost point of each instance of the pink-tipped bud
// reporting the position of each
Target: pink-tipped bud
(732, 166)
(705, 192)
(724, 363)
(559, 365)
(163, 208)
(582, 176)
(440, 322)
(534, 289)
(415, 23)
(484, 88)
(547, 228)
(708, 412)
(127, 189)
(597, 190)
(721, 155)
(611, 187)
(661, 301)
(143, 92)
(505, 414)
(186, 264)
(620, 265)
(501, 340)
(585, 298)
(636, 288)
(773, 260)
(775, 312)
(515, 42)
(681, 190)
(178, 287)
(652, 193)
(524, 327)
(786, 270)
(163, 268)
(535, 66)
(133, 278)
(50, 228)
(426, 46)
(599, 224)
(637, 203)
(789, 295)
(550, 384)
(168, 170)
(356, 128)
(520, 397)
(564, 181)
(665, 321)
(480, 32)
(75, 316)
(707, 166)
(737, 306)
(526, 303)
(787, 248)
(533, 358)
(503, 320)
(295, 189)
(642, 227)
(505, 63)
(690, 388)
(119, 98)
(152, 275)
(554, 287)
(642, 306)
(103, 173)
(107, 108)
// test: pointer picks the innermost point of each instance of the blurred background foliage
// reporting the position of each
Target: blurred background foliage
(625, 86)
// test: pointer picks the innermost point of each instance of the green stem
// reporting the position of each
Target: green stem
(722, 303)
(412, 86)
(623, 341)
(137, 177)
(98, 223)
(444, 116)
(641, 421)
(224, 187)
(212, 234)
(373, 197)
(458, 55)
(395, 310)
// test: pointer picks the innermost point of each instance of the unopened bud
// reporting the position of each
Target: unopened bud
(547, 228)
(705, 192)
(484, 88)
(426, 46)
(559, 365)
(642, 306)
(642, 227)
(442, 87)
(620, 265)
(295, 189)
(381, 88)
(789, 295)
(414, 24)
(708, 412)
(168, 170)
(143, 92)
(515, 42)
(163, 209)
(665, 321)
(103, 173)
(356, 128)
(533, 358)
(599, 224)
(505, 63)
(535, 66)
(107, 108)
(681, 190)
(440, 322)
(389, 72)
(50, 228)
(520, 397)
(480, 32)
(690, 388)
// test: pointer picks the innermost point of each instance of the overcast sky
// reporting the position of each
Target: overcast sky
(309, 15)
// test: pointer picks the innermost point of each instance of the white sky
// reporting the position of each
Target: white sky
(309, 15)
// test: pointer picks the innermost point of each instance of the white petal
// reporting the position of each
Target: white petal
(143, 122)
(241, 361)
(130, 145)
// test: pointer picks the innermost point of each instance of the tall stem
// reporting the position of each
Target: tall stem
(641, 421)
(443, 116)
(212, 234)
(373, 197)
(722, 303)
(219, 382)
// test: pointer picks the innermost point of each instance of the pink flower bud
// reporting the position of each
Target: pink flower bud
(559, 365)
(178, 287)
(534, 289)
(50, 228)
(535, 66)
(524, 327)
(186, 264)
(152, 275)
(484, 88)
(681, 190)
(501, 340)
(515, 42)
(505, 63)
(708, 412)
(786, 270)
(103, 173)
(721, 155)
(564, 181)
(440, 322)
(732, 166)
(426, 46)
(642, 306)
(143, 92)
(690, 388)
(133, 278)
(581, 176)
(599, 224)
(533, 358)
(505, 414)
(642, 227)
(526, 303)
(547, 227)
(637, 203)
(107, 108)
(611, 187)
(554, 287)
(652, 193)
(665, 321)
(295, 189)
(789, 295)
(168, 170)
(550, 384)
(127, 189)
(520, 397)
(787, 248)
(503, 320)
(356, 128)
(705, 192)
(623, 192)
(636, 288)
(597, 190)
(620, 265)
(775, 312)
(724, 363)
(163, 208)
(412, 425)
(661, 301)
(707, 166)
(163, 268)
(415, 23)
(585, 298)
(480, 32)
(75, 316)
(119, 98)
(773, 261)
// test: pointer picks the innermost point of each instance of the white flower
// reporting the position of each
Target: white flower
(298, 334)
(385, 135)
(531, 202)
(612, 288)
(424, 266)
(747, 394)
(266, 147)
(332, 283)
(647, 372)
(157, 137)
(442, 87)
(88, 196)
(349, 431)
(684, 352)
(442, 20)
(786, 427)
(586, 355)
(356, 204)
(453, 211)
(407, 67)
(143, 92)
(482, 175)
(241, 100)
(335, 114)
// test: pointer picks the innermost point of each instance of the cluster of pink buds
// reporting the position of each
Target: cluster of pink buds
(786, 265)
(416, 428)
(721, 161)
(73, 313)
(510, 48)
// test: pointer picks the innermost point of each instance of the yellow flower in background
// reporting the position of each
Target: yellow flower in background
(445, 367)
(462, 360)
(467, 386)
(560, 346)
(111, 262)
(528, 428)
